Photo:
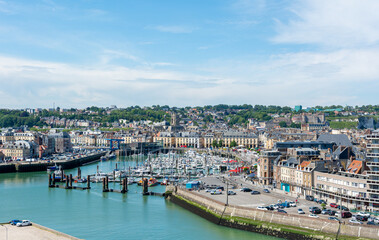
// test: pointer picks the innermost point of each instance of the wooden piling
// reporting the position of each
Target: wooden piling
(123, 186)
(79, 173)
(106, 183)
(53, 179)
(66, 182)
(70, 181)
(116, 166)
(114, 174)
(145, 186)
(88, 182)
(50, 180)
(62, 175)
(126, 184)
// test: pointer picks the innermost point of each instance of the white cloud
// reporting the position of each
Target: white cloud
(337, 23)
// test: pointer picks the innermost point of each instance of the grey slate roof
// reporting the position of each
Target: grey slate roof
(339, 139)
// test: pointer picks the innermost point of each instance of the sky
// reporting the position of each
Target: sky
(80, 53)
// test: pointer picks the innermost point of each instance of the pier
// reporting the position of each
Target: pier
(23, 166)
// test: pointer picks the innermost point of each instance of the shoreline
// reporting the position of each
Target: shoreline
(267, 223)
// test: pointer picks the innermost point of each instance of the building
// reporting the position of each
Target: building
(19, 150)
(372, 161)
(283, 146)
(266, 166)
(345, 188)
(298, 108)
(62, 142)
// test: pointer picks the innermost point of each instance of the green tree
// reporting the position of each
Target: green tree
(233, 144)
(214, 143)
(220, 143)
(282, 124)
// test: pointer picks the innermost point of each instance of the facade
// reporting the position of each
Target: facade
(342, 187)
(62, 142)
(19, 150)
(266, 166)
(248, 140)
(372, 161)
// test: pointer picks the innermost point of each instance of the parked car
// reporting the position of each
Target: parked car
(312, 208)
(371, 223)
(346, 214)
(255, 193)
(281, 211)
(216, 192)
(342, 208)
(220, 188)
(262, 208)
(245, 190)
(316, 211)
(231, 193)
(363, 214)
(333, 205)
(332, 213)
(270, 208)
(355, 221)
(325, 211)
(14, 221)
(292, 204)
(309, 197)
(208, 190)
(313, 216)
(24, 223)
(361, 218)
(333, 218)
(373, 219)
(321, 201)
(266, 190)
(300, 211)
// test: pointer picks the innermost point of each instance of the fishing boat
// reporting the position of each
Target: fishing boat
(103, 158)
(81, 180)
(165, 182)
(152, 182)
(52, 168)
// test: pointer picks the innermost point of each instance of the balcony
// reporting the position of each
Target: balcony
(373, 164)
(374, 136)
(373, 190)
(372, 145)
(372, 155)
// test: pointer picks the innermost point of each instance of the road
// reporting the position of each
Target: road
(246, 199)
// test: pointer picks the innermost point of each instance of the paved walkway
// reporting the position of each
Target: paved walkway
(34, 232)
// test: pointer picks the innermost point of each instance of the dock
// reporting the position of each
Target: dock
(34, 232)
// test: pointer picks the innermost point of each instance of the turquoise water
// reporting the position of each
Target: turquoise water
(92, 214)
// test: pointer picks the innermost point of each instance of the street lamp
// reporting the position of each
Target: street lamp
(6, 232)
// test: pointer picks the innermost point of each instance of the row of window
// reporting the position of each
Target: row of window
(341, 182)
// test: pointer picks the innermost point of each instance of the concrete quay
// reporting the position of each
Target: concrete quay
(23, 166)
(289, 226)
(34, 232)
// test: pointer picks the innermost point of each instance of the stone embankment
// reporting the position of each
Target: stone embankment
(267, 222)
(42, 165)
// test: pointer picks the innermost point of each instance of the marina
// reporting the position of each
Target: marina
(94, 214)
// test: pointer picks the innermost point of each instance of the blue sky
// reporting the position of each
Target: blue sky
(78, 53)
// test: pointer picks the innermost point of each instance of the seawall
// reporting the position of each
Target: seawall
(42, 166)
(267, 222)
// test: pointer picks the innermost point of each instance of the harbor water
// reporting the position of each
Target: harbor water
(92, 214)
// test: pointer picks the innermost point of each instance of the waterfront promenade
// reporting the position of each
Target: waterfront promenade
(34, 232)
(241, 213)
